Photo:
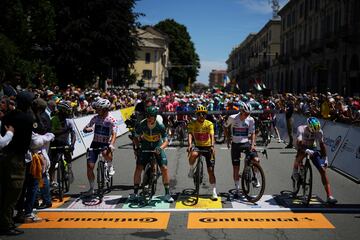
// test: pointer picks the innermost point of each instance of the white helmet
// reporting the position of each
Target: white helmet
(103, 103)
(243, 106)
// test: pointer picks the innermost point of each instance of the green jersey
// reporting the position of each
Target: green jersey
(151, 138)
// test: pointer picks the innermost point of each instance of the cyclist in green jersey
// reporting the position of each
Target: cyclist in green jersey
(151, 135)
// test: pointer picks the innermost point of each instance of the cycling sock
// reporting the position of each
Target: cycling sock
(92, 184)
(167, 189)
(136, 189)
(237, 186)
(213, 187)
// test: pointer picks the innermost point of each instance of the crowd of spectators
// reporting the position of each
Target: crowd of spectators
(329, 106)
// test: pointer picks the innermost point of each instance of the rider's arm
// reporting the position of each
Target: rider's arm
(322, 144)
(88, 127)
(252, 133)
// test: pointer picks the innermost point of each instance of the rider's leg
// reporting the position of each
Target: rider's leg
(192, 158)
(298, 160)
(91, 175)
(137, 177)
(235, 159)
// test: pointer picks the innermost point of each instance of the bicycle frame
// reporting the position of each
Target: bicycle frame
(199, 172)
(103, 176)
(252, 175)
(305, 181)
(150, 177)
(62, 174)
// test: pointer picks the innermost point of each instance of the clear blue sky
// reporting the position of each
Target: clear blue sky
(215, 26)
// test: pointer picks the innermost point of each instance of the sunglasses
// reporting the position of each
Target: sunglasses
(200, 114)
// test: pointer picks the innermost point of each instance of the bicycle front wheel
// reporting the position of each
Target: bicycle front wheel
(101, 176)
(306, 185)
(253, 182)
(198, 175)
(60, 180)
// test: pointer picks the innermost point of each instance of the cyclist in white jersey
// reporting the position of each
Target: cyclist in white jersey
(104, 137)
(307, 136)
(241, 126)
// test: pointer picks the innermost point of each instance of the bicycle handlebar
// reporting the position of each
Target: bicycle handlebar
(60, 148)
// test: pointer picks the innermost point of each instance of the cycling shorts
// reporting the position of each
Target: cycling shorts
(237, 149)
(319, 161)
(209, 156)
(144, 158)
(92, 156)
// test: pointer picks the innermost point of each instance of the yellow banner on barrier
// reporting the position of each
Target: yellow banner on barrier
(126, 112)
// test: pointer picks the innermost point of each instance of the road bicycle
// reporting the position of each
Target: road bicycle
(150, 178)
(103, 177)
(199, 172)
(265, 129)
(64, 175)
(303, 185)
(181, 132)
(252, 179)
(219, 130)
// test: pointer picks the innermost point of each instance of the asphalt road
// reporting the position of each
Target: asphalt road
(223, 219)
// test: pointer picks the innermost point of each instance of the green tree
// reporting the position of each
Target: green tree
(183, 57)
(27, 31)
(93, 37)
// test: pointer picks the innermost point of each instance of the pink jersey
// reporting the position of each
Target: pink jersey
(104, 128)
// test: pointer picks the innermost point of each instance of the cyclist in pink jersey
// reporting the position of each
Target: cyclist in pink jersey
(103, 125)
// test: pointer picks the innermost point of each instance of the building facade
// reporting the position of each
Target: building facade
(152, 58)
(320, 47)
(253, 60)
(217, 78)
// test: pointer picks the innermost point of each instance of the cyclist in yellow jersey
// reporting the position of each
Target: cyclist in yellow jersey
(201, 132)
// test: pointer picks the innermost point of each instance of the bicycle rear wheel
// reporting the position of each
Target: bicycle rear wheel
(253, 182)
(306, 185)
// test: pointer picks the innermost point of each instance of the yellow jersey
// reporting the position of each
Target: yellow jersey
(201, 132)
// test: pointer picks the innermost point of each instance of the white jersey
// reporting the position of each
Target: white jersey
(240, 130)
(308, 138)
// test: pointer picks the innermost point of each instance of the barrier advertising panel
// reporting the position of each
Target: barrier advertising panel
(334, 135)
(347, 159)
(79, 147)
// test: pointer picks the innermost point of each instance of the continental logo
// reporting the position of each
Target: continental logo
(214, 220)
(101, 220)
(257, 220)
(140, 220)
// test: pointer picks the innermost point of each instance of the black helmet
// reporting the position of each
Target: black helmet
(24, 100)
(64, 107)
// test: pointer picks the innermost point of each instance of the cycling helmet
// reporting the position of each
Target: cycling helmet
(244, 107)
(103, 103)
(151, 111)
(201, 109)
(313, 124)
(63, 106)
